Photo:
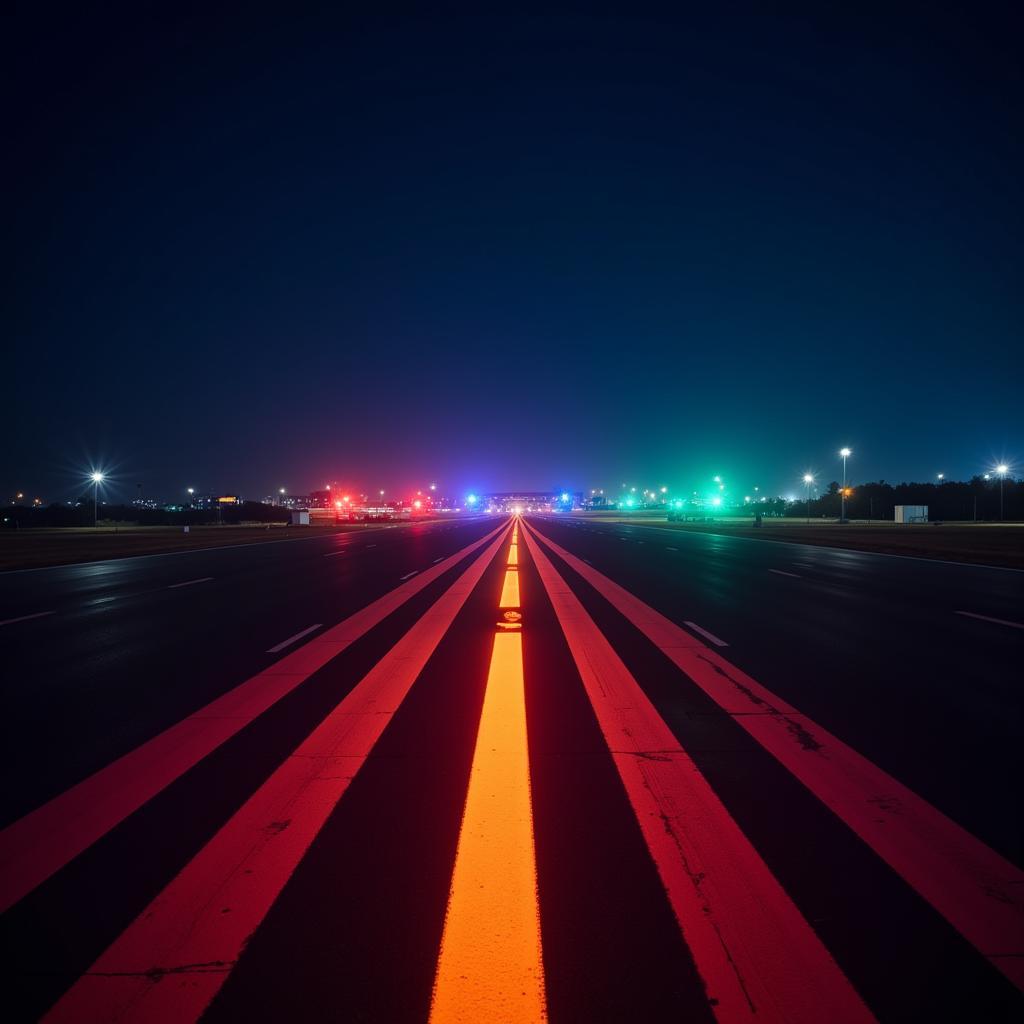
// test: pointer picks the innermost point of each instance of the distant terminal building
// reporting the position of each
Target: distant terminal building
(532, 501)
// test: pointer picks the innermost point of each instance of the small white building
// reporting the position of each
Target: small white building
(300, 517)
(911, 513)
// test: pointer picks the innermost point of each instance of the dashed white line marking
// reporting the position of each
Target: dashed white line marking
(588, 561)
(409, 575)
(779, 572)
(371, 545)
(331, 554)
(189, 583)
(804, 565)
(971, 615)
(25, 618)
(436, 560)
(671, 549)
(704, 633)
(298, 636)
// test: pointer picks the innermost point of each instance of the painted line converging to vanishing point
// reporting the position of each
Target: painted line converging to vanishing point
(298, 636)
(184, 931)
(490, 969)
(733, 914)
(970, 615)
(190, 583)
(779, 572)
(408, 575)
(24, 618)
(704, 633)
(42, 842)
(979, 892)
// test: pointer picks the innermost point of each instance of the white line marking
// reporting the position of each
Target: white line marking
(671, 549)
(298, 636)
(973, 615)
(331, 554)
(188, 583)
(704, 633)
(371, 545)
(804, 565)
(409, 575)
(779, 572)
(23, 618)
(588, 561)
(436, 560)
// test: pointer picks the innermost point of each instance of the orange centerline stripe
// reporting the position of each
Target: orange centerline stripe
(510, 590)
(490, 967)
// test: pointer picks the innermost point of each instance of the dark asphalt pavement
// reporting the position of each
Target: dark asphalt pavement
(871, 648)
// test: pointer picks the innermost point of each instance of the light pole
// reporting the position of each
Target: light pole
(808, 480)
(191, 498)
(97, 479)
(1001, 470)
(845, 453)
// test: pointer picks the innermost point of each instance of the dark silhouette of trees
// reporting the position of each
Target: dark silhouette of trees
(976, 498)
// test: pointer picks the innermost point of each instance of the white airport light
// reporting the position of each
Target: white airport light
(1002, 469)
(808, 478)
(97, 478)
(845, 453)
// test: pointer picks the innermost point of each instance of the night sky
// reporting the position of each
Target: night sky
(511, 251)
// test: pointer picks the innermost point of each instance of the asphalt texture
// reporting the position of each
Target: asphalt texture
(872, 648)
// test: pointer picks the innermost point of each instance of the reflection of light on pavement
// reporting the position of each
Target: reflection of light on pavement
(490, 967)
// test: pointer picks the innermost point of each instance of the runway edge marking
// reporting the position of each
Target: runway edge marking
(733, 913)
(184, 930)
(979, 892)
(36, 846)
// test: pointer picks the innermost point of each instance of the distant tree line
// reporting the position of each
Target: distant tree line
(977, 498)
(26, 516)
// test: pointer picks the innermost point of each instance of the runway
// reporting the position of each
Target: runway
(513, 770)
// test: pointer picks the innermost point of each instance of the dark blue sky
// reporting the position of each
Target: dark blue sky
(513, 250)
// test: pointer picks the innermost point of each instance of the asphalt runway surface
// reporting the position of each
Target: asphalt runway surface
(513, 770)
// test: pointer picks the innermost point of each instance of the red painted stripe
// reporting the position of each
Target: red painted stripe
(41, 843)
(171, 961)
(979, 892)
(758, 956)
